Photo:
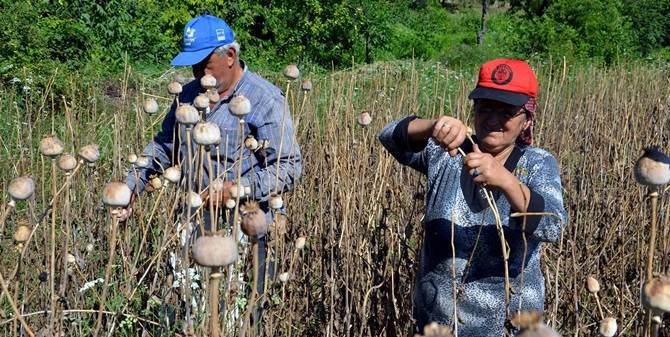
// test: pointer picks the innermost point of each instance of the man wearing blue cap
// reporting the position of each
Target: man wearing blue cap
(209, 47)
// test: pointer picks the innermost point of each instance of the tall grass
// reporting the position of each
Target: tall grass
(359, 210)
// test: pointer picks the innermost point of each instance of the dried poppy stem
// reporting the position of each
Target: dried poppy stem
(108, 272)
(214, 280)
(52, 265)
(13, 305)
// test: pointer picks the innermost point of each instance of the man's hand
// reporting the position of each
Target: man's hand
(218, 199)
(123, 213)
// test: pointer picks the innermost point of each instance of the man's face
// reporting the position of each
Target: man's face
(219, 67)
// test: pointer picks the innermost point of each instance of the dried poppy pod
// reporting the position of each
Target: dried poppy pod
(276, 202)
(655, 295)
(253, 219)
(150, 106)
(607, 327)
(172, 174)
(142, 161)
(206, 133)
(193, 200)
(300, 243)
(291, 72)
(213, 96)
(217, 185)
(306, 85)
(208, 82)
(251, 143)
(435, 330)
(230, 203)
(592, 285)
(174, 88)
(156, 183)
(22, 234)
(201, 102)
(187, 114)
(116, 194)
(239, 106)
(652, 168)
(530, 325)
(283, 277)
(89, 153)
(215, 251)
(51, 146)
(67, 163)
(236, 191)
(132, 158)
(21, 188)
(364, 119)
(179, 78)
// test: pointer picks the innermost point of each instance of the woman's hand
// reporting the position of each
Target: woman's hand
(447, 132)
(485, 169)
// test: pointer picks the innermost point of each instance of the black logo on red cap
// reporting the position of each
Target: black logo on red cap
(502, 74)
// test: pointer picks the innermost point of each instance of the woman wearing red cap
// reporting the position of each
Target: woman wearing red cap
(520, 178)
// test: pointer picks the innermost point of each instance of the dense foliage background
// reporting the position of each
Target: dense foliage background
(42, 35)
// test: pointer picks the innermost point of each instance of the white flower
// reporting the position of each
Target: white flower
(90, 284)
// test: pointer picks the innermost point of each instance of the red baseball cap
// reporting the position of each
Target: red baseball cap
(507, 81)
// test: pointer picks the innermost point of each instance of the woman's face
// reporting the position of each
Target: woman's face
(498, 125)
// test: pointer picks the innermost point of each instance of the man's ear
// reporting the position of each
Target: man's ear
(231, 57)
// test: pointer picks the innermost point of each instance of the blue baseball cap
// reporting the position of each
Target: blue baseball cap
(201, 36)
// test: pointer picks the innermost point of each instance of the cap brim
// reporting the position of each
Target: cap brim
(508, 97)
(189, 58)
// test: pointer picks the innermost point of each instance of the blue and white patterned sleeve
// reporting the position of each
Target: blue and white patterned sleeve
(394, 138)
(544, 182)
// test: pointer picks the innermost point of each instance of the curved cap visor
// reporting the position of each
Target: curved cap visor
(189, 58)
(504, 96)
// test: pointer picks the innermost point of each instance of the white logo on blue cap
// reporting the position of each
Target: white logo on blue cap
(221, 34)
(189, 36)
